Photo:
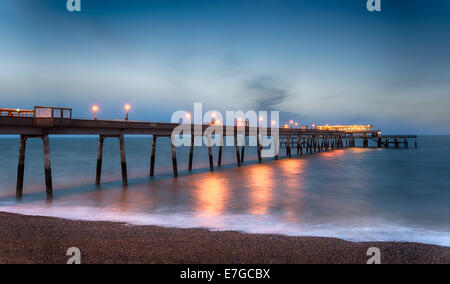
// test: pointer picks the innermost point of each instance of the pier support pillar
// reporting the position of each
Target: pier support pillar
(415, 143)
(397, 145)
(258, 145)
(210, 154)
(288, 147)
(174, 158)
(123, 160)
(243, 150)
(98, 175)
(366, 142)
(21, 166)
(238, 156)
(153, 156)
(191, 152)
(315, 144)
(276, 141)
(219, 159)
(48, 167)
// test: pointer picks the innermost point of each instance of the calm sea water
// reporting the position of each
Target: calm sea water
(353, 194)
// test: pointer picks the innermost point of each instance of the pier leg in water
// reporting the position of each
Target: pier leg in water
(153, 156)
(276, 141)
(243, 150)
(191, 152)
(219, 160)
(238, 157)
(301, 146)
(48, 167)
(379, 142)
(211, 160)
(174, 159)
(406, 143)
(415, 143)
(315, 144)
(21, 166)
(98, 175)
(288, 149)
(298, 145)
(123, 160)
(397, 145)
(258, 145)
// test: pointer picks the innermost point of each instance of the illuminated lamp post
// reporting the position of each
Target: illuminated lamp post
(95, 109)
(188, 117)
(127, 108)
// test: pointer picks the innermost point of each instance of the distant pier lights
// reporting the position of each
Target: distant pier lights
(344, 128)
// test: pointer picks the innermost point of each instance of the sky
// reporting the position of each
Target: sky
(315, 61)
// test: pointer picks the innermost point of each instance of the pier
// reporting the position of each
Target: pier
(46, 121)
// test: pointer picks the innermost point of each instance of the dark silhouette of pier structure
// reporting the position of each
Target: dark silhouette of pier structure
(46, 121)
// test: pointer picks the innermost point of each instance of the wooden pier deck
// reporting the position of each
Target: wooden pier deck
(303, 140)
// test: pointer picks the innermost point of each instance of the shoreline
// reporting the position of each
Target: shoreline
(33, 239)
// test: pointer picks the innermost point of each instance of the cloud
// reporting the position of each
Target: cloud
(267, 92)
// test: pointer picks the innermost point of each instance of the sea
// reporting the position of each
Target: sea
(353, 194)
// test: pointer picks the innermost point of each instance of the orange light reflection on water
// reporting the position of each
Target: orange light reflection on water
(294, 184)
(261, 188)
(332, 155)
(211, 195)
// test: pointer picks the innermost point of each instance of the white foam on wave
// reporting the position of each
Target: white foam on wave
(375, 230)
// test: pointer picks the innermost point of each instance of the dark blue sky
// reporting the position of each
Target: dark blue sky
(317, 61)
